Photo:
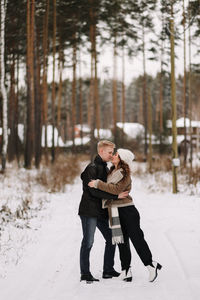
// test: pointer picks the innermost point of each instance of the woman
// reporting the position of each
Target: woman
(124, 217)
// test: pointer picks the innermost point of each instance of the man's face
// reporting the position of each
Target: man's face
(106, 153)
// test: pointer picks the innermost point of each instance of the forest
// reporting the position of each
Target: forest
(44, 83)
(72, 73)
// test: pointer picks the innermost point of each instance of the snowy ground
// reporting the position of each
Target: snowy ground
(47, 268)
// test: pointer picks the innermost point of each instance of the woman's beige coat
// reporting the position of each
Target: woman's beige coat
(116, 183)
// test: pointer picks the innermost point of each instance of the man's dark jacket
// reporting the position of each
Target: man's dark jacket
(91, 201)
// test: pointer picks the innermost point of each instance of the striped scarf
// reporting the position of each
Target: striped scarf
(117, 235)
(114, 221)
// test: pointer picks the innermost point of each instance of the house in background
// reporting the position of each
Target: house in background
(132, 131)
(195, 127)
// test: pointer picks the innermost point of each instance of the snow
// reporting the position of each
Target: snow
(47, 267)
(179, 138)
(103, 133)
(84, 127)
(180, 123)
(57, 139)
(78, 141)
(132, 129)
(20, 129)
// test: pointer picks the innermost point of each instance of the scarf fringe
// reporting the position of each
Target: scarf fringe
(117, 240)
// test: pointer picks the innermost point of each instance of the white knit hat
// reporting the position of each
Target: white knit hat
(127, 156)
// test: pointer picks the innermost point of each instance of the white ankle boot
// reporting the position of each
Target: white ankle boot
(126, 275)
(153, 270)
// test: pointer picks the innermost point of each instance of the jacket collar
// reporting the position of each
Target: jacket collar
(118, 171)
(115, 176)
(98, 160)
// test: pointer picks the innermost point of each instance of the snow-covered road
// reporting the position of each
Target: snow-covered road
(49, 269)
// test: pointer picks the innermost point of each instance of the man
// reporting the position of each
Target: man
(93, 215)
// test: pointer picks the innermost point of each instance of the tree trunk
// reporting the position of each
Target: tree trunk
(114, 91)
(161, 89)
(17, 150)
(92, 86)
(29, 148)
(184, 87)
(44, 80)
(173, 101)
(150, 131)
(73, 101)
(96, 89)
(67, 124)
(3, 88)
(123, 95)
(161, 107)
(12, 99)
(141, 114)
(80, 98)
(60, 88)
(90, 107)
(91, 115)
(53, 83)
(144, 92)
(38, 105)
(190, 103)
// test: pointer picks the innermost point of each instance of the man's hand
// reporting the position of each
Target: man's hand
(91, 183)
(123, 195)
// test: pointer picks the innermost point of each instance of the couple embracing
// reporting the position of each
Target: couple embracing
(107, 205)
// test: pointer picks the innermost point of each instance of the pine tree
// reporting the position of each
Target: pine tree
(44, 77)
(30, 145)
(145, 23)
(3, 88)
(173, 99)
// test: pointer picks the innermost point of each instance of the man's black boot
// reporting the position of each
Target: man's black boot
(88, 278)
(110, 274)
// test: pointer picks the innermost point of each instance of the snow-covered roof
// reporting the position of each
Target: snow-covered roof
(85, 127)
(132, 129)
(180, 123)
(77, 141)
(103, 133)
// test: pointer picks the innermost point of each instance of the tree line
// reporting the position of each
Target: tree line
(39, 36)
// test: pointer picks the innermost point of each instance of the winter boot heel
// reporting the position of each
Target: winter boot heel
(159, 267)
(129, 279)
(126, 275)
(153, 270)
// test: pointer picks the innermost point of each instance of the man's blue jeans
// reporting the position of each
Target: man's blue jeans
(89, 225)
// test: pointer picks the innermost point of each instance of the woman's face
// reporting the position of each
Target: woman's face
(115, 159)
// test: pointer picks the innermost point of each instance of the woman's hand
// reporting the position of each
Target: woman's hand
(123, 195)
(91, 183)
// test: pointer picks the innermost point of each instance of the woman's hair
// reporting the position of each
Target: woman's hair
(123, 166)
